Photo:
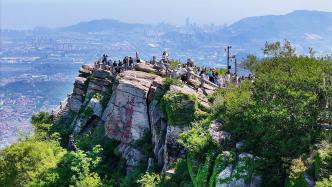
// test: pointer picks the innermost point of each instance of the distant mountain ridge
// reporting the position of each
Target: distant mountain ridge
(293, 23)
(101, 25)
(304, 28)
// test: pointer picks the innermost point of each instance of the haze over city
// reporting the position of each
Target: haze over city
(20, 14)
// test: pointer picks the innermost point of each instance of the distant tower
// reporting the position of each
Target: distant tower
(187, 22)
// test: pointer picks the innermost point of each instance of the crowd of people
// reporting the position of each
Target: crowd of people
(184, 72)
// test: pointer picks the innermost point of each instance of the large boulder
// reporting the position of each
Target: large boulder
(126, 115)
(95, 105)
(158, 124)
(145, 68)
(173, 150)
(101, 74)
(224, 176)
(218, 136)
(237, 175)
(75, 102)
(99, 85)
(201, 97)
(132, 156)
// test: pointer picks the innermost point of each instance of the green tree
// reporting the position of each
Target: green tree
(75, 169)
(277, 113)
(23, 162)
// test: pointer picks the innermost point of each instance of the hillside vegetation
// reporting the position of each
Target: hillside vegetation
(276, 117)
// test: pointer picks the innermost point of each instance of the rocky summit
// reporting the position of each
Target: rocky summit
(127, 105)
(137, 107)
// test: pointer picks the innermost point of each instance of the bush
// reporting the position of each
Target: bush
(327, 182)
(180, 178)
(323, 160)
(296, 174)
(179, 108)
(149, 180)
(174, 64)
(25, 161)
(42, 117)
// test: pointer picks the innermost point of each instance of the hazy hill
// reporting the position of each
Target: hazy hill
(102, 25)
(301, 27)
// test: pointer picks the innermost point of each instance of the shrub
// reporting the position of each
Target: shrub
(149, 180)
(174, 64)
(42, 117)
(326, 182)
(179, 108)
(88, 112)
(25, 161)
(296, 174)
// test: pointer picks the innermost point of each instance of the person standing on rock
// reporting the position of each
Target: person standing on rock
(138, 60)
(115, 65)
(202, 75)
(165, 56)
(184, 74)
(126, 63)
(120, 66)
(154, 60)
(131, 62)
(104, 60)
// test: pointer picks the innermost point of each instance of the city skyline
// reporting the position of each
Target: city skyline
(63, 13)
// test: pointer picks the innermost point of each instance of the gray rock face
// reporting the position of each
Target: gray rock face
(126, 115)
(132, 156)
(188, 90)
(102, 74)
(173, 150)
(88, 67)
(158, 132)
(98, 85)
(78, 124)
(233, 176)
(96, 107)
(76, 99)
(224, 175)
(80, 80)
(75, 102)
(217, 134)
(240, 144)
(145, 68)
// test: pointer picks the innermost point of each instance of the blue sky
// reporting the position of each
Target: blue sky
(23, 14)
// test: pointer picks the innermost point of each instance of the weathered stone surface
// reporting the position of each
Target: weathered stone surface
(126, 115)
(173, 150)
(145, 68)
(154, 88)
(223, 176)
(79, 123)
(240, 144)
(99, 85)
(80, 80)
(96, 106)
(88, 67)
(78, 91)
(84, 72)
(158, 131)
(75, 102)
(188, 90)
(234, 175)
(132, 156)
(102, 74)
(217, 134)
(150, 165)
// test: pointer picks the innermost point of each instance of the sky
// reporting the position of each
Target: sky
(27, 14)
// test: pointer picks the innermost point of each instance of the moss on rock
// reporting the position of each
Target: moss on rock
(179, 108)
